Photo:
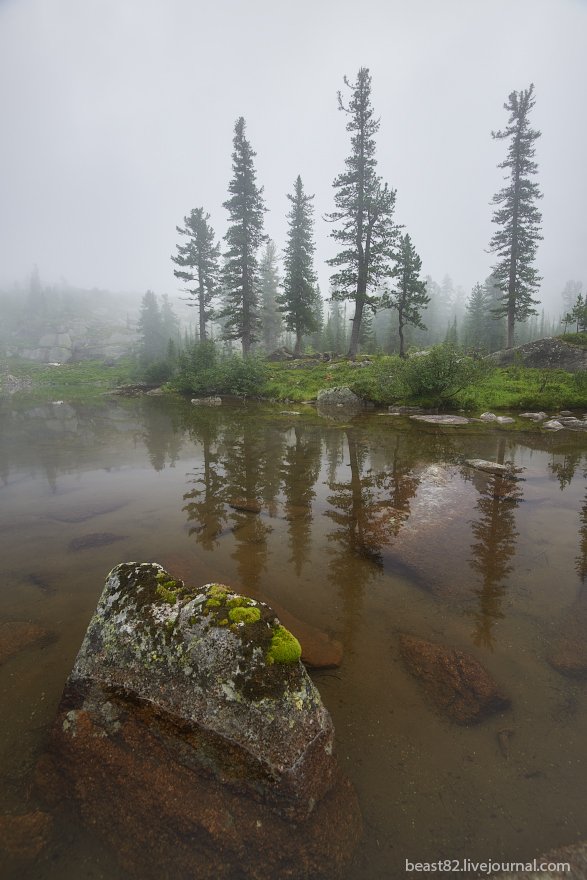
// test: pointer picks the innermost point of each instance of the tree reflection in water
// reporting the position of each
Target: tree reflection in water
(494, 546)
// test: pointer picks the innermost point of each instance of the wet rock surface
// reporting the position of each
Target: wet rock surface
(190, 734)
(458, 685)
(489, 467)
(441, 420)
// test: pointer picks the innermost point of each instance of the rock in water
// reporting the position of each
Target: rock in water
(190, 735)
(455, 681)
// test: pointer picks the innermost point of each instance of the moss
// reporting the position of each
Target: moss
(284, 647)
(218, 591)
(213, 603)
(238, 602)
(166, 592)
(240, 614)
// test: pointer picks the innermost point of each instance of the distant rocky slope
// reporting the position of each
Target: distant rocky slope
(78, 340)
(551, 353)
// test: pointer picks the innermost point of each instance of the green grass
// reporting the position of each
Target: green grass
(298, 383)
(375, 379)
(579, 339)
(79, 381)
(526, 388)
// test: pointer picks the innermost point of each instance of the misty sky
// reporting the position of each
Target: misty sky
(118, 115)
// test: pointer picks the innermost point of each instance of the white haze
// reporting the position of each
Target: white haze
(117, 119)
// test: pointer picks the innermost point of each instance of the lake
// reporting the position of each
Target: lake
(366, 529)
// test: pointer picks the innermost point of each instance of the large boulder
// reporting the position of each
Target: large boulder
(459, 686)
(189, 733)
(340, 397)
(544, 353)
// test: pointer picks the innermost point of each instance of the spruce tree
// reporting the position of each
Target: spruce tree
(153, 342)
(198, 261)
(364, 211)
(298, 300)
(516, 240)
(409, 296)
(476, 320)
(240, 273)
(269, 290)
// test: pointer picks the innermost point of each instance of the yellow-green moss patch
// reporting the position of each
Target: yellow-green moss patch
(284, 647)
(240, 614)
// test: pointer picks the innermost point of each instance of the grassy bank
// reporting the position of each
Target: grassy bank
(450, 381)
(80, 381)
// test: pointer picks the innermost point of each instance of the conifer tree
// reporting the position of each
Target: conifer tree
(516, 240)
(409, 296)
(269, 290)
(298, 300)
(153, 342)
(364, 211)
(198, 262)
(316, 335)
(476, 320)
(240, 273)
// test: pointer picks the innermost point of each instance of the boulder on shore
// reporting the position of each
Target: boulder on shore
(189, 733)
(550, 353)
(459, 686)
(339, 396)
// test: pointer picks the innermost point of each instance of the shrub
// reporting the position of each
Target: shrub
(440, 374)
(202, 372)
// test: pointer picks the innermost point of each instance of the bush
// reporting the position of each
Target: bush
(201, 372)
(440, 374)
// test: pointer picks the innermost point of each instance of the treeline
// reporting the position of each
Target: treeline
(378, 300)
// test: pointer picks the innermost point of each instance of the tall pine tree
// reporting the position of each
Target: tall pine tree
(269, 290)
(198, 262)
(298, 300)
(364, 211)
(409, 296)
(244, 236)
(516, 240)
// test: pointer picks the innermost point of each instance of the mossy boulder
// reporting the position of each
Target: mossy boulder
(189, 734)
(214, 658)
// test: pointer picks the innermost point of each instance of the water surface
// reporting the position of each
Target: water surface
(366, 529)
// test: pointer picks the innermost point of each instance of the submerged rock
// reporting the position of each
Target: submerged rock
(568, 653)
(441, 420)
(207, 401)
(190, 734)
(489, 467)
(24, 837)
(16, 635)
(459, 686)
(535, 416)
(94, 539)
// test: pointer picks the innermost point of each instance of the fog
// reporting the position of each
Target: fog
(118, 118)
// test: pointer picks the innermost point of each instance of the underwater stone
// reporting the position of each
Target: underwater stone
(460, 687)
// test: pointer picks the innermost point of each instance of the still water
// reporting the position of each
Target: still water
(366, 529)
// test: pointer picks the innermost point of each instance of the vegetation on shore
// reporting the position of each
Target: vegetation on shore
(444, 377)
